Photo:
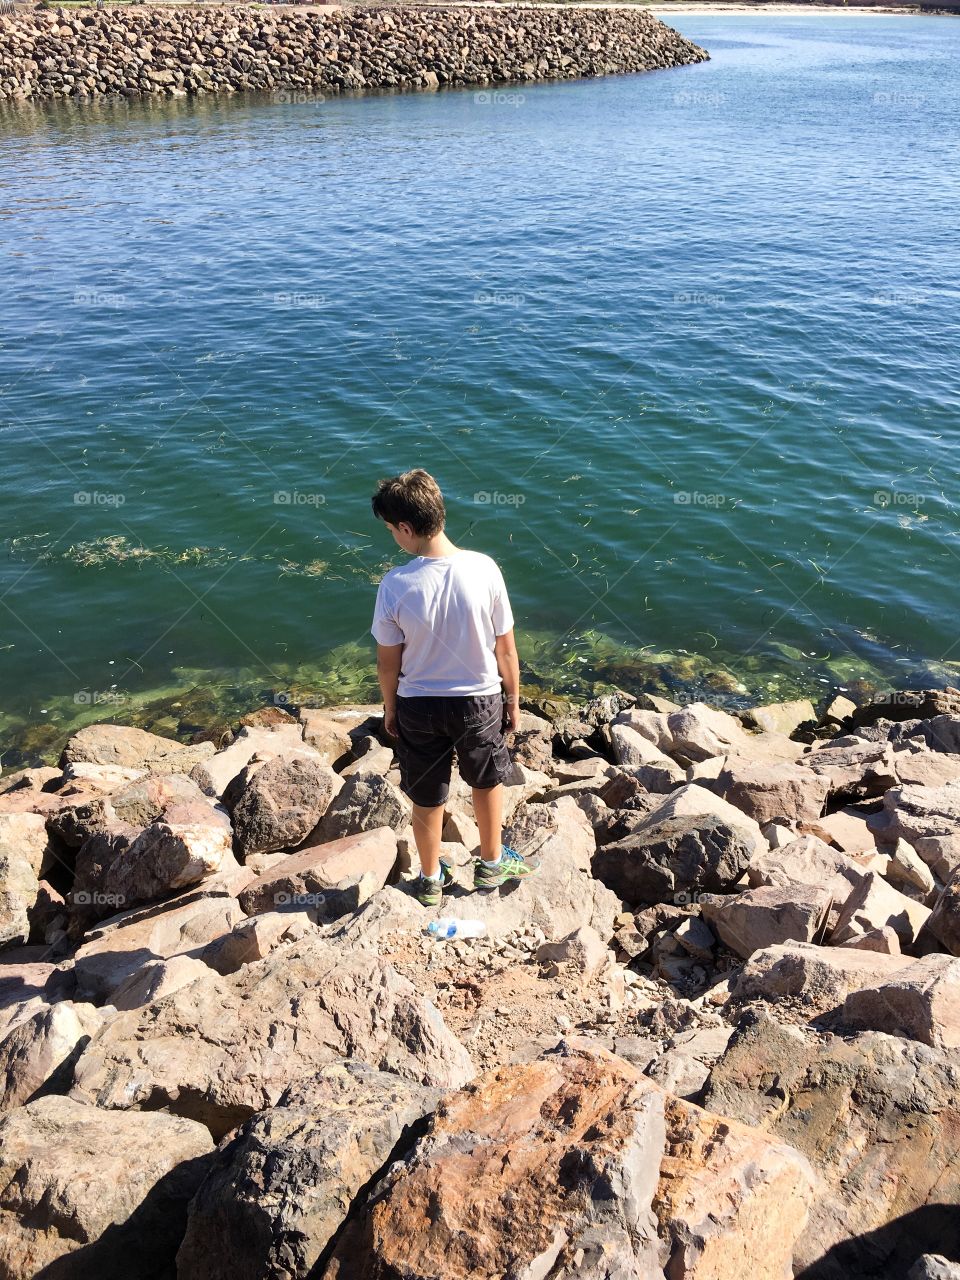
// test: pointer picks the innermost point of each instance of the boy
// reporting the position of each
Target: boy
(444, 634)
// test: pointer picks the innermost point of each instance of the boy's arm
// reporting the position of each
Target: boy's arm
(508, 664)
(388, 673)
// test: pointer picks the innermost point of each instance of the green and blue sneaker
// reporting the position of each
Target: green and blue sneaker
(429, 893)
(510, 867)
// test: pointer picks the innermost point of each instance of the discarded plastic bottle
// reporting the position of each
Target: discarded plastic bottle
(450, 927)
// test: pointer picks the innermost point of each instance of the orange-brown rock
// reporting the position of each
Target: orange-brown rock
(579, 1165)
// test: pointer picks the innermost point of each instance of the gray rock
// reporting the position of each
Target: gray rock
(366, 801)
(680, 856)
(281, 1188)
(281, 803)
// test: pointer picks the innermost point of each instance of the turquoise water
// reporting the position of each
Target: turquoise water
(693, 334)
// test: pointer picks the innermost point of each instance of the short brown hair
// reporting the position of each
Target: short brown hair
(414, 497)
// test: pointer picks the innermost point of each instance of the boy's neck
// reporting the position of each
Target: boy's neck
(438, 545)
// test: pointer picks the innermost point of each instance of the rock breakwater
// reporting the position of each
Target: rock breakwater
(716, 1035)
(182, 52)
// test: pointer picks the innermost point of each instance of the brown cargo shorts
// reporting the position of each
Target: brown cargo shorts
(431, 729)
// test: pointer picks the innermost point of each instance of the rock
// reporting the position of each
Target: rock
(459, 828)
(768, 791)
(839, 709)
(781, 717)
(532, 744)
(28, 982)
(123, 945)
(214, 774)
(767, 916)
(32, 779)
(694, 801)
(130, 748)
(156, 979)
(921, 1001)
(908, 868)
(103, 778)
(819, 979)
(872, 904)
(698, 732)
(584, 951)
(24, 856)
(672, 860)
(808, 860)
(884, 940)
(854, 769)
(141, 802)
(916, 813)
(279, 1190)
(631, 748)
(877, 1116)
(378, 760)
(303, 881)
(189, 842)
(925, 768)
(365, 802)
(109, 1186)
(41, 1047)
(696, 938)
(944, 921)
(333, 731)
(848, 831)
(253, 939)
(202, 1052)
(595, 1162)
(652, 725)
(281, 803)
(931, 1266)
(908, 704)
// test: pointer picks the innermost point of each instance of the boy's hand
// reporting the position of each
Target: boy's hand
(511, 718)
(390, 723)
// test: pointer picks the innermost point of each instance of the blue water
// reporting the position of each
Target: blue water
(694, 335)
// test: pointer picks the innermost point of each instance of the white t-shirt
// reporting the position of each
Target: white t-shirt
(446, 611)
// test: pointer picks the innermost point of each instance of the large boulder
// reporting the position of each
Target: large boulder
(604, 1175)
(127, 747)
(303, 880)
(281, 803)
(24, 855)
(781, 717)
(768, 791)
(679, 856)
(699, 732)
(695, 801)
(366, 801)
(143, 801)
(920, 1001)
(123, 945)
(220, 1049)
(279, 1190)
(747, 922)
(817, 979)
(879, 1118)
(87, 1192)
(42, 1048)
(852, 768)
(188, 843)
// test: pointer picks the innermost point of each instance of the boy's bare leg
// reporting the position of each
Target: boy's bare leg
(427, 828)
(488, 808)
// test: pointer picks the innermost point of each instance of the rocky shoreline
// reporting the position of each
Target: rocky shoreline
(180, 52)
(719, 1028)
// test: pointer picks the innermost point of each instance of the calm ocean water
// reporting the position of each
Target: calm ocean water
(681, 348)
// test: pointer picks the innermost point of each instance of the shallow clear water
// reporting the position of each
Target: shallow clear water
(693, 334)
